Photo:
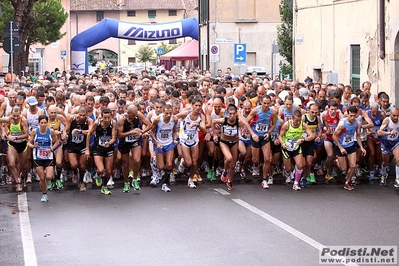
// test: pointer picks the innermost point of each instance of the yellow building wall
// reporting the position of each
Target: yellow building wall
(325, 30)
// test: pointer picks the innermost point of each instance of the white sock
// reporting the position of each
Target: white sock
(397, 172)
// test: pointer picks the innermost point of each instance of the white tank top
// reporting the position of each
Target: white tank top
(164, 131)
(189, 130)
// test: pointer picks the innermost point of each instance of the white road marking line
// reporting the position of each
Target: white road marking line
(283, 226)
(26, 231)
(222, 191)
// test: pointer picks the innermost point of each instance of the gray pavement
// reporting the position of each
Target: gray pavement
(196, 226)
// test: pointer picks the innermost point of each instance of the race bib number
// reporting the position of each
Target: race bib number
(190, 138)
(43, 154)
(393, 136)
(262, 128)
(103, 140)
(291, 144)
(273, 136)
(348, 139)
(332, 129)
(164, 134)
(78, 138)
(130, 138)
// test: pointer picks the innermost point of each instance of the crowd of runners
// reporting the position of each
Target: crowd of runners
(102, 127)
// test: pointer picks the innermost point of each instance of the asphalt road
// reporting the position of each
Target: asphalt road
(201, 226)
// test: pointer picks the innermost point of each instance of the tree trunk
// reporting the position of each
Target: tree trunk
(24, 21)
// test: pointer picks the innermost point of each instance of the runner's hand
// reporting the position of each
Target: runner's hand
(255, 137)
(343, 151)
(363, 151)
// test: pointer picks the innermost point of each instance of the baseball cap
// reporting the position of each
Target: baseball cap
(32, 101)
(236, 78)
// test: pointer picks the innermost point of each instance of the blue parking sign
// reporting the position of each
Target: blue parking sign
(240, 53)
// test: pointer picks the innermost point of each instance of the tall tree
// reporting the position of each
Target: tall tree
(37, 21)
(284, 34)
(145, 54)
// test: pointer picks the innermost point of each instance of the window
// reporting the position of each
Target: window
(355, 67)
(131, 42)
(173, 12)
(131, 13)
(172, 41)
(131, 60)
(152, 13)
(99, 15)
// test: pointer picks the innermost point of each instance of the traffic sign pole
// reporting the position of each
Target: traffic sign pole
(12, 54)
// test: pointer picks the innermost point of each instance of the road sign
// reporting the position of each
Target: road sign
(160, 50)
(15, 31)
(215, 56)
(240, 53)
(7, 45)
(223, 40)
(63, 54)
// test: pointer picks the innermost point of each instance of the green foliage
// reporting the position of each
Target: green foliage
(145, 54)
(49, 16)
(286, 69)
(37, 21)
(285, 30)
(167, 47)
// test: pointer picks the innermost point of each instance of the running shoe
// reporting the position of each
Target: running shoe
(365, 170)
(219, 171)
(181, 167)
(320, 171)
(383, 180)
(44, 198)
(50, 185)
(172, 177)
(287, 177)
(209, 175)
(105, 190)
(9, 179)
(255, 170)
(29, 178)
(191, 183)
(335, 172)
(372, 177)
(205, 166)
(229, 185)
(19, 187)
(303, 182)
(59, 184)
(275, 170)
(243, 174)
(82, 187)
(136, 184)
(358, 171)
(126, 187)
(348, 186)
(396, 183)
(87, 177)
(224, 175)
(238, 167)
(296, 187)
(312, 178)
(353, 181)
(292, 174)
(165, 188)
(130, 175)
(329, 177)
(198, 176)
(99, 180)
(270, 180)
(110, 182)
(264, 184)
(153, 182)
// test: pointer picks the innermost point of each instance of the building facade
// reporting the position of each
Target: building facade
(84, 14)
(349, 42)
(251, 22)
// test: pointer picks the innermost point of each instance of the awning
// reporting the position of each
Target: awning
(186, 51)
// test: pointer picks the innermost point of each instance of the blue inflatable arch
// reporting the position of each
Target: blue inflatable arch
(127, 30)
